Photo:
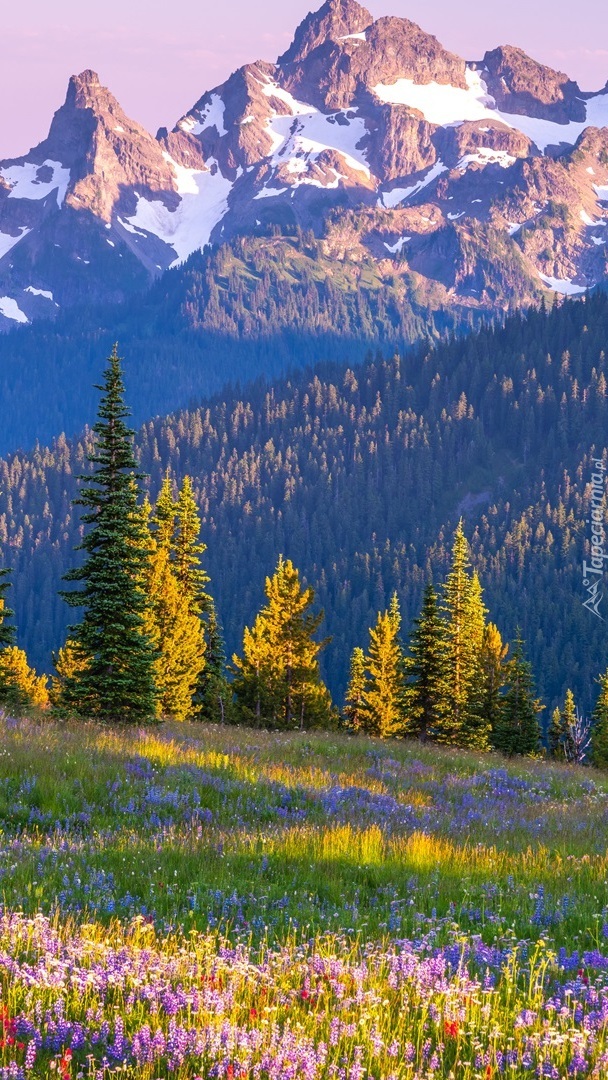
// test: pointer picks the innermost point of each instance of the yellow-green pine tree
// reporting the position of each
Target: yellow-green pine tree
(384, 695)
(176, 631)
(279, 671)
(354, 706)
(29, 690)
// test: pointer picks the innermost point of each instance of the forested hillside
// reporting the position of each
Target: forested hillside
(359, 476)
(259, 306)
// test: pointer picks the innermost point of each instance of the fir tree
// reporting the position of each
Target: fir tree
(213, 694)
(494, 674)
(517, 730)
(116, 681)
(354, 706)
(425, 666)
(459, 721)
(278, 679)
(384, 695)
(7, 632)
(10, 697)
(189, 549)
(599, 731)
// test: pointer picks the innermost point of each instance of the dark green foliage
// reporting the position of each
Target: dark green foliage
(115, 682)
(599, 731)
(213, 698)
(517, 730)
(425, 666)
(7, 631)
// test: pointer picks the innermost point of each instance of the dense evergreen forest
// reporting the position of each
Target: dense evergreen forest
(359, 475)
(254, 307)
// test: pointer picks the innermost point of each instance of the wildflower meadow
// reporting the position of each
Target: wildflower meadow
(190, 901)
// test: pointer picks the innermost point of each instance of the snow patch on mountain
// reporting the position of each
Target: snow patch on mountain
(390, 199)
(211, 115)
(450, 106)
(203, 203)
(396, 247)
(563, 285)
(11, 310)
(601, 191)
(26, 183)
(269, 193)
(484, 155)
(39, 292)
(302, 135)
(7, 242)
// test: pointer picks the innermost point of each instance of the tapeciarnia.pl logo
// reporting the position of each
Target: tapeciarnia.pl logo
(593, 571)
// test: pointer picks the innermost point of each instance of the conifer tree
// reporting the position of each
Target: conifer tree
(23, 689)
(278, 679)
(213, 694)
(599, 731)
(192, 578)
(10, 698)
(555, 747)
(7, 632)
(517, 730)
(494, 674)
(568, 722)
(459, 721)
(354, 706)
(116, 679)
(384, 694)
(425, 667)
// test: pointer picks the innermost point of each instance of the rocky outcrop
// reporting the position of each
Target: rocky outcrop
(335, 21)
(521, 85)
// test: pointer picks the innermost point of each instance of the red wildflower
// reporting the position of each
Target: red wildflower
(450, 1028)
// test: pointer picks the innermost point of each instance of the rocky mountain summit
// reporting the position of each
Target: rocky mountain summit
(483, 181)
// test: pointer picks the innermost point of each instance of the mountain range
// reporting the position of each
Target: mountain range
(469, 185)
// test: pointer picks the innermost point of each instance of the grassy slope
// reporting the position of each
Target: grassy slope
(360, 878)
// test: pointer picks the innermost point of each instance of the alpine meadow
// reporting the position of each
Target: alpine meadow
(303, 546)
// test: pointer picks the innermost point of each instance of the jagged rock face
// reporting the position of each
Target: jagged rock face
(336, 20)
(522, 86)
(370, 133)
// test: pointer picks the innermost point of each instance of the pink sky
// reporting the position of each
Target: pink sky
(159, 57)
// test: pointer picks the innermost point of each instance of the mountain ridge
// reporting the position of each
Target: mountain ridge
(357, 116)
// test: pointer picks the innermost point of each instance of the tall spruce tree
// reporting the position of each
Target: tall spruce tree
(7, 631)
(277, 678)
(458, 721)
(425, 667)
(213, 694)
(192, 578)
(599, 731)
(354, 705)
(115, 680)
(517, 730)
(384, 694)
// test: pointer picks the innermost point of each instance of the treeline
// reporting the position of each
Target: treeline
(359, 476)
(149, 646)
